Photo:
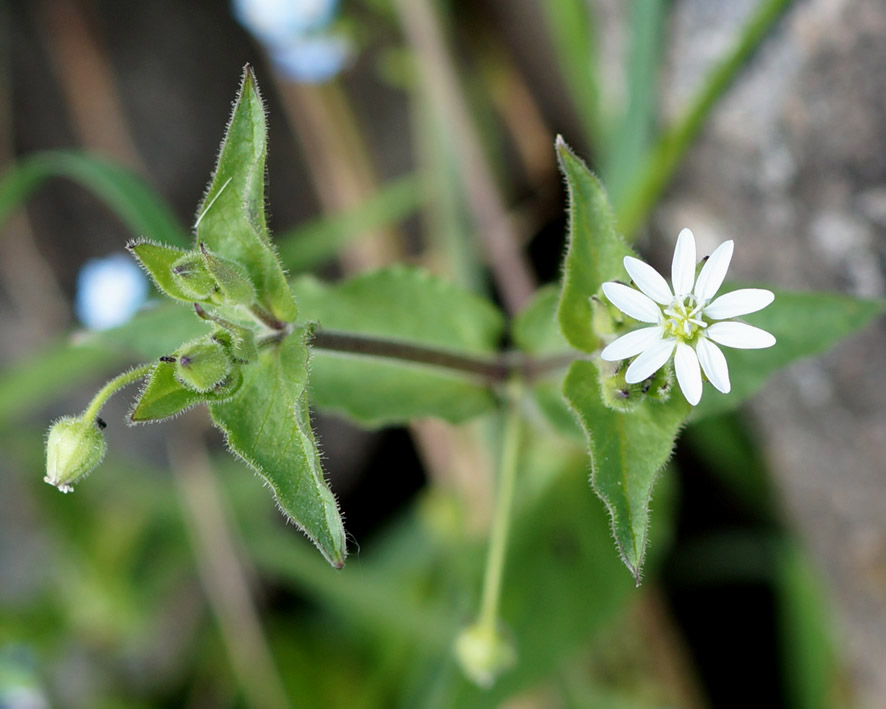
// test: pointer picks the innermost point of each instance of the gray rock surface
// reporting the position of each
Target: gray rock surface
(793, 166)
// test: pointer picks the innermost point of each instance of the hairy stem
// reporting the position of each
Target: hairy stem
(113, 386)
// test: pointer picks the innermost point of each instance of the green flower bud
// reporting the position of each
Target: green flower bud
(230, 278)
(202, 365)
(74, 447)
(193, 278)
(621, 396)
(483, 654)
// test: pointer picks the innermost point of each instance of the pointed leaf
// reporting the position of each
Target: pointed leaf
(627, 452)
(411, 306)
(594, 254)
(804, 324)
(269, 427)
(157, 260)
(164, 396)
(231, 221)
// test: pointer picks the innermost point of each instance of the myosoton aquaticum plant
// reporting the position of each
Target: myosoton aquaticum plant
(399, 344)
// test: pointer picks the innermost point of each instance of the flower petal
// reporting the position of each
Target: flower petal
(683, 265)
(632, 302)
(714, 271)
(631, 344)
(650, 361)
(739, 302)
(740, 336)
(714, 364)
(649, 280)
(688, 373)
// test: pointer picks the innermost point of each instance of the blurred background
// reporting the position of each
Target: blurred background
(410, 130)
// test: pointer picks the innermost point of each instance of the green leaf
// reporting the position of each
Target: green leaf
(804, 324)
(627, 452)
(625, 155)
(535, 331)
(128, 196)
(665, 157)
(573, 37)
(268, 426)
(231, 218)
(164, 396)
(594, 254)
(157, 260)
(410, 306)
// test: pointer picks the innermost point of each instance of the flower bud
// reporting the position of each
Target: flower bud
(623, 397)
(202, 365)
(230, 278)
(483, 653)
(74, 447)
(193, 278)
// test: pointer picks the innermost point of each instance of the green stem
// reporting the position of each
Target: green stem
(673, 144)
(112, 387)
(501, 521)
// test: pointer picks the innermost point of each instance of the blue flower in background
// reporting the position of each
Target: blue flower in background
(296, 35)
(312, 60)
(277, 22)
(109, 291)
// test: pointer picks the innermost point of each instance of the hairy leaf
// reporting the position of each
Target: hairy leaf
(804, 324)
(594, 254)
(268, 426)
(231, 219)
(164, 396)
(410, 306)
(157, 260)
(627, 452)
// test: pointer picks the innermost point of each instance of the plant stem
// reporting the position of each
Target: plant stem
(266, 318)
(498, 538)
(494, 369)
(113, 386)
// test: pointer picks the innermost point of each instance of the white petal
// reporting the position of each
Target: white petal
(714, 364)
(649, 280)
(714, 271)
(740, 336)
(631, 344)
(683, 265)
(632, 302)
(739, 302)
(650, 361)
(688, 373)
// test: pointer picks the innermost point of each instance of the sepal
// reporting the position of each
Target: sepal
(74, 447)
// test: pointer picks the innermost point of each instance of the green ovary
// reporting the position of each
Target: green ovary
(683, 320)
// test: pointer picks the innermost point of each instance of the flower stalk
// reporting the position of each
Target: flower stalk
(481, 649)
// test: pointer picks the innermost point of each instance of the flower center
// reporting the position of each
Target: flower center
(682, 318)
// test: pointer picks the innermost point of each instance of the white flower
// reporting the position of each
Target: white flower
(687, 321)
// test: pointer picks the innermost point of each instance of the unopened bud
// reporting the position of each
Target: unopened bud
(74, 447)
(202, 365)
(483, 654)
(230, 278)
(623, 397)
(193, 278)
